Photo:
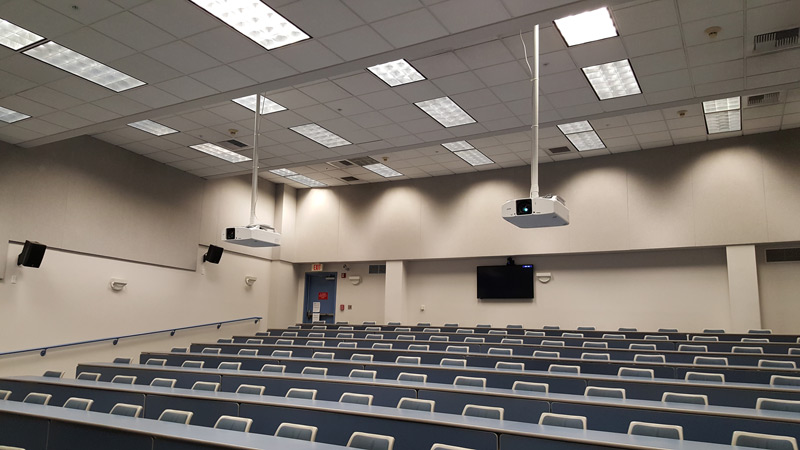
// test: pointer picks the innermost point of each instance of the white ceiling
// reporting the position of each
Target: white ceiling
(470, 50)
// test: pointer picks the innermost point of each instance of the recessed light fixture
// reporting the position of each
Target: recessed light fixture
(395, 73)
(219, 152)
(612, 80)
(267, 105)
(310, 182)
(575, 127)
(722, 122)
(383, 170)
(457, 145)
(11, 116)
(15, 37)
(152, 127)
(83, 66)
(283, 172)
(474, 157)
(723, 104)
(582, 135)
(586, 27)
(255, 20)
(445, 111)
(320, 135)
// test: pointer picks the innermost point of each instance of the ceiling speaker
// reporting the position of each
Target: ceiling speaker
(213, 255)
(32, 254)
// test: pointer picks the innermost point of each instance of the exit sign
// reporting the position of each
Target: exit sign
(316, 267)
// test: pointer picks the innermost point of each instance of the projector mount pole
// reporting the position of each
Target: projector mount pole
(535, 116)
(254, 194)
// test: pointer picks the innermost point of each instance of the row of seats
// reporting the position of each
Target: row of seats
(320, 326)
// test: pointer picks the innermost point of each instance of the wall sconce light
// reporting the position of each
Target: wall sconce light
(355, 279)
(544, 277)
(248, 280)
(117, 284)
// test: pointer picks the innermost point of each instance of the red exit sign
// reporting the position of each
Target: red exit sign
(316, 267)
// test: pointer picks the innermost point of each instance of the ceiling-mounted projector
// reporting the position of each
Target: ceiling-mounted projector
(252, 236)
(539, 212)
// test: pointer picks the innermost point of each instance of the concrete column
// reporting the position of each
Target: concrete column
(395, 292)
(743, 288)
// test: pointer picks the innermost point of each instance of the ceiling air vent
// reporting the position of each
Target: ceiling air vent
(349, 179)
(558, 150)
(776, 40)
(764, 99)
(364, 161)
(377, 268)
(783, 255)
(232, 144)
(343, 164)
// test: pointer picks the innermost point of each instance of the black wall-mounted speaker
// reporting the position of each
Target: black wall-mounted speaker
(213, 255)
(32, 254)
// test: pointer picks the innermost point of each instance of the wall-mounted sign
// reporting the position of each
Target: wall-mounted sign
(316, 267)
(322, 296)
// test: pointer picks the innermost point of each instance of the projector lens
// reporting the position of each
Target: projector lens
(524, 207)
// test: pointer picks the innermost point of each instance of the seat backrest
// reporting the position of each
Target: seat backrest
(564, 368)
(281, 354)
(667, 330)
(514, 326)
(368, 322)
(549, 343)
(551, 327)
(498, 332)
(702, 376)
(248, 352)
(229, 365)
(586, 328)
(642, 346)
(416, 377)
(450, 325)
(634, 372)
(794, 350)
(760, 331)
(297, 431)
(711, 361)
(439, 338)
(511, 341)
(359, 399)
(416, 404)
(309, 394)
(347, 345)
(124, 379)
(346, 328)
(649, 358)
(211, 351)
(509, 365)
(406, 337)
(319, 327)
(225, 341)
(759, 440)
(83, 404)
(156, 362)
(465, 331)
(431, 330)
(774, 404)
(613, 336)
(393, 323)
(284, 341)
(545, 354)
(408, 360)
(563, 420)
(453, 362)
(163, 382)
(782, 380)
(348, 336)
(595, 345)
(233, 423)
(655, 337)
(470, 381)
(777, 364)
(761, 340)
(176, 416)
(677, 397)
(597, 356)
(312, 343)
(193, 364)
(279, 368)
(205, 386)
(419, 347)
(499, 351)
(373, 336)
(402, 329)
(738, 349)
(314, 371)
(457, 349)
(705, 338)
(627, 329)
(572, 335)
(382, 346)
(474, 340)
(315, 335)
(254, 341)
(594, 391)
(361, 357)
(486, 412)
(250, 389)
(656, 430)
(370, 441)
(53, 374)
(692, 348)
(530, 386)
(289, 334)
(483, 325)
(360, 373)
(372, 328)
(4, 395)
(88, 376)
(124, 409)
(534, 333)
(323, 355)
(713, 330)
(128, 360)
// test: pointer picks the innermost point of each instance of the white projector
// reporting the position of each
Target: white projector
(539, 212)
(252, 236)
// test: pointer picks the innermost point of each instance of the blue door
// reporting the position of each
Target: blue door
(320, 287)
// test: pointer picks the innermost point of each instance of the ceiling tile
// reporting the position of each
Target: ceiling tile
(769, 111)
(718, 72)
(731, 26)
(356, 43)
(659, 63)
(382, 99)
(410, 28)
(206, 118)
(363, 83)
(80, 89)
(421, 125)
(656, 41)
(670, 95)
(357, 136)
(133, 31)
(316, 113)
(40, 126)
(50, 97)
(349, 106)
(572, 98)
(476, 99)
(598, 52)
(645, 16)
(370, 119)
(165, 13)
(325, 92)
(773, 79)
(565, 81)
(484, 55)
(84, 11)
(491, 112)
(419, 91)
(186, 88)
(688, 132)
(686, 122)
(37, 18)
(263, 68)
(152, 96)
(404, 113)
(660, 136)
(13, 134)
(224, 44)
(145, 68)
(11, 84)
(773, 62)
(665, 81)
(550, 40)
(719, 87)
(692, 10)
(307, 55)
(370, 10)
(92, 113)
(504, 73)
(187, 165)
(555, 62)
(460, 82)
(319, 18)
(84, 41)
(223, 78)
(389, 131)
(440, 65)
(182, 57)
(649, 127)
(178, 123)
(514, 91)
(610, 133)
(715, 52)
(570, 112)
(644, 117)
(32, 70)
(461, 15)
(164, 157)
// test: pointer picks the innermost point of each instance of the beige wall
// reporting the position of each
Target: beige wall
(779, 288)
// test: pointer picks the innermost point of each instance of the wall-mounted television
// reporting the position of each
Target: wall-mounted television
(509, 281)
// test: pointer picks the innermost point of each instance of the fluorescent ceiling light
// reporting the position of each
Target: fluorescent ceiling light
(83, 66)
(11, 116)
(458, 145)
(15, 37)
(320, 135)
(396, 73)
(474, 157)
(219, 152)
(721, 122)
(445, 111)
(283, 172)
(724, 104)
(586, 27)
(383, 170)
(614, 79)
(575, 127)
(152, 127)
(267, 105)
(310, 182)
(587, 140)
(255, 20)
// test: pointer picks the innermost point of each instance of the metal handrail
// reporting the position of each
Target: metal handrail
(43, 350)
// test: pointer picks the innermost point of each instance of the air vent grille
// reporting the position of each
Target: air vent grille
(349, 179)
(763, 99)
(783, 255)
(776, 40)
(232, 144)
(377, 268)
(364, 161)
(558, 150)
(340, 164)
